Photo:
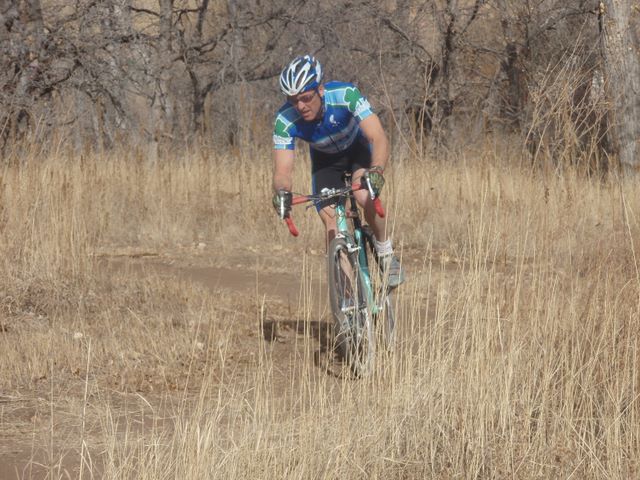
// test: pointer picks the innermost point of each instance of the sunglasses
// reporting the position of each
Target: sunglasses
(304, 98)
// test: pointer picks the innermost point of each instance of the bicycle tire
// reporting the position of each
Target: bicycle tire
(385, 319)
(354, 331)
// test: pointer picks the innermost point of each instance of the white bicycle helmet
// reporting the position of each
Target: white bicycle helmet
(302, 74)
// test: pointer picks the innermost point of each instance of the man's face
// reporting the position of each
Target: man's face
(308, 104)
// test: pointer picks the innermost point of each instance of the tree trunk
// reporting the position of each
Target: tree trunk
(620, 48)
(162, 104)
(516, 51)
(29, 16)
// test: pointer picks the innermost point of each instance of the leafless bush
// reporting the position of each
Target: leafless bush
(568, 120)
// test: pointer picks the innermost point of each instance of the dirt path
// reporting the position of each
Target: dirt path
(262, 287)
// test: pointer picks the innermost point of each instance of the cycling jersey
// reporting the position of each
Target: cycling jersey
(344, 107)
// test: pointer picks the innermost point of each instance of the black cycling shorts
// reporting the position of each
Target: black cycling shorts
(327, 169)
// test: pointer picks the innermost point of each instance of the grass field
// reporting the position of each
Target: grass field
(121, 358)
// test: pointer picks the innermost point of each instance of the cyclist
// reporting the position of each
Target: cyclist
(343, 134)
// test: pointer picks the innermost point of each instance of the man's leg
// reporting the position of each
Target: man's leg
(388, 261)
(328, 217)
(326, 172)
(377, 224)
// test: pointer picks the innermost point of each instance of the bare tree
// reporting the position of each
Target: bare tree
(454, 21)
(204, 46)
(52, 56)
(513, 59)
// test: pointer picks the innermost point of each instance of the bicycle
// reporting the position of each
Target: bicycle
(362, 306)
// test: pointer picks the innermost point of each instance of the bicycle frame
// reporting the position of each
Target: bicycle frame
(342, 224)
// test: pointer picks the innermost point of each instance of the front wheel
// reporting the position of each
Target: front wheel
(354, 332)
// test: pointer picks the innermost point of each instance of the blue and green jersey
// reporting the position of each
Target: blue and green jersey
(344, 108)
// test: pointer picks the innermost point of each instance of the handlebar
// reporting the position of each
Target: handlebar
(300, 199)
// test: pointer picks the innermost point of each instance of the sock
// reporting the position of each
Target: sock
(384, 248)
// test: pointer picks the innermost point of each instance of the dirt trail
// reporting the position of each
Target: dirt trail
(259, 285)
(284, 286)
(242, 274)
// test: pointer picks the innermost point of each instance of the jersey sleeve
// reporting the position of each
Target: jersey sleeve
(357, 103)
(282, 136)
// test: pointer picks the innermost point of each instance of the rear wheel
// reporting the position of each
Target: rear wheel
(354, 332)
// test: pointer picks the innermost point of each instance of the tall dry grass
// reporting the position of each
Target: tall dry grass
(518, 351)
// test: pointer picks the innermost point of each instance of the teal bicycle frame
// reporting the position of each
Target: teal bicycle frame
(342, 224)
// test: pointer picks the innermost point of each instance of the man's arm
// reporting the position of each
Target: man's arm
(372, 129)
(283, 169)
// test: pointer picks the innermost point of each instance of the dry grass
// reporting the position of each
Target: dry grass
(518, 354)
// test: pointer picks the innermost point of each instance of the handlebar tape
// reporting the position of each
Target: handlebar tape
(378, 206)
(298, 199)
(291, 226)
